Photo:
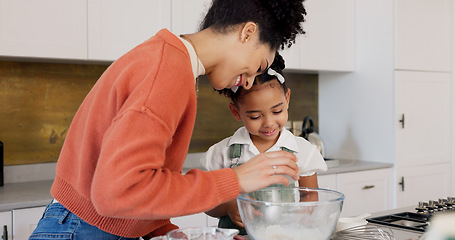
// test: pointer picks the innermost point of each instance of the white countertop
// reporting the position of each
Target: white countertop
(341, 166)
(345, 166)
(25, 195)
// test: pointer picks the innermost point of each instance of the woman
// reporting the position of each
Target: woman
(119, 172)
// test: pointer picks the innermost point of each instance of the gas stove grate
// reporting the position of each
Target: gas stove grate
(404, 220)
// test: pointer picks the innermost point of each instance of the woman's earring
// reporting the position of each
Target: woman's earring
(246, 39)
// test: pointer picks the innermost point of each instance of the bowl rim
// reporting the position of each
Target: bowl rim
(340, 197)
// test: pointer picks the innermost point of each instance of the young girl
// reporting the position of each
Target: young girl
(119, 173)
(263, 109)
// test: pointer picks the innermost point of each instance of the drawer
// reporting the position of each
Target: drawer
(365, 191)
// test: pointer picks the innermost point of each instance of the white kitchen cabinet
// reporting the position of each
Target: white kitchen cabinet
(6, 220)
(115, 26)
(423, 107)
(423, 183)
(423, 35)
(25, 221)
(423, 99)
(361, 112)
(43, 28)
(365, 191)
(328, 181)
(187, 15)
(453, 101)
(329, 41)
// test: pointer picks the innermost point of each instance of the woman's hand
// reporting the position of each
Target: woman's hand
(266, 169)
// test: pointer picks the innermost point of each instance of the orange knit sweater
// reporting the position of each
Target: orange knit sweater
(120, 167)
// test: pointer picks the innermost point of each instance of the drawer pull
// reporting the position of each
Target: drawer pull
(368, 187)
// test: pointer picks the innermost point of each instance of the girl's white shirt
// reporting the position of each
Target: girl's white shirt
(196, 64)
(309, 159)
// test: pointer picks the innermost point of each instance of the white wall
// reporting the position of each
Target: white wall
(356, 110)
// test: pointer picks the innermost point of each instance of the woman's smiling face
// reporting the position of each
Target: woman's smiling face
(263, 111)
(239, 68)
(246, 58)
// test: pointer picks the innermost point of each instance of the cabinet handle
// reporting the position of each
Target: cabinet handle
(368, 187)
(402, 184)
(402, 120)
(5, 232)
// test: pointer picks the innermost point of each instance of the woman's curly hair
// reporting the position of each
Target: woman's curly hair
(278, 65)
(279, 21)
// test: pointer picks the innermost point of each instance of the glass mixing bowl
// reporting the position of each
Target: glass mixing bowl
(290, 213)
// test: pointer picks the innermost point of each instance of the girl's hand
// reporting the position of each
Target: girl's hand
(233, 212)
(259, 172)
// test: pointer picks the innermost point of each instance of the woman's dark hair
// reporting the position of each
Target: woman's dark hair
(279, 21)
(277, 65)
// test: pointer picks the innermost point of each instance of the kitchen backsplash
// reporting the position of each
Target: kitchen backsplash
(39, 100)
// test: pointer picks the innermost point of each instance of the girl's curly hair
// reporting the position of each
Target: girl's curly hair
(278, 65)
(279, 21)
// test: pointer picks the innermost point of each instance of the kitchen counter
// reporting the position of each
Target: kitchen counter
(25, 195)
(37, 193)
(334, 166)
(344, 166)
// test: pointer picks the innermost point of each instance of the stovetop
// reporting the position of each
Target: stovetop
(419, 219)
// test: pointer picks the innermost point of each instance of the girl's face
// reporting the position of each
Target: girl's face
(263, 111)
(246, 58)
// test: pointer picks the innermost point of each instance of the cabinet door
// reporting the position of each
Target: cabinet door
(116, 26)
(423, 183)
(329, 42)
(25, 221)
(6, 220)
(423, 35)
(187, 15)
(292, 55)
(423, 107)
(195, 220)
(328, 181)
(43, 28)
(365, 191)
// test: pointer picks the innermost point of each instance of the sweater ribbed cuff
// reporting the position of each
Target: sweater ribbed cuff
(227, 184)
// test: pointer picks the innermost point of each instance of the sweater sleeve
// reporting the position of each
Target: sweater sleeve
(132, 181)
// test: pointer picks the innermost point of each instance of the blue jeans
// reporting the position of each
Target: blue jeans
(59, 223)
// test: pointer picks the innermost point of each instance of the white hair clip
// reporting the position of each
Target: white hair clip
(272, 72)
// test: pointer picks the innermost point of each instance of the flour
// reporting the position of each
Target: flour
(304, 228)
(277, 232)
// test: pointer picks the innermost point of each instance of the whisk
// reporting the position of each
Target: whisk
(364, 232)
